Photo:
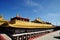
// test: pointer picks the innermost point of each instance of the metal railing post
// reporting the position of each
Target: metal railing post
(17, 37)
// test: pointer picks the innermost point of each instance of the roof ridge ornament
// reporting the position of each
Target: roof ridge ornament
(0, 15)
(17, 15)
(39, 19)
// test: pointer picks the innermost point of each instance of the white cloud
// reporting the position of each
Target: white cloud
(54, 14)
(53, 18)
(35, 11)
(31, 3)
(37, 7)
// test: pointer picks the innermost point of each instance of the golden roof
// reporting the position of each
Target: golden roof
(25, 24)
(2, 20)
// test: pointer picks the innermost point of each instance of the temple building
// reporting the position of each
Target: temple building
(2, 20)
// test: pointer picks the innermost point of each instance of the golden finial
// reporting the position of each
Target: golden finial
(27, 17)
(0, 15)
(17, 15)
(39, 19)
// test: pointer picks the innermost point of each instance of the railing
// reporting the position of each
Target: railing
(26, 36)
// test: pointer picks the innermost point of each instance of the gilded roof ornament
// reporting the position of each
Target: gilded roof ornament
(17, 15)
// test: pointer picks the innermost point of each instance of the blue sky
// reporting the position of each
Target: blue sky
(47, 10)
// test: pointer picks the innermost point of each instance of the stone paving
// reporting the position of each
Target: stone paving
(49, 36)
